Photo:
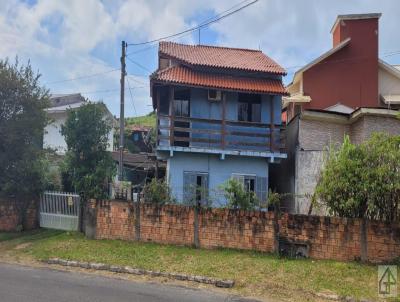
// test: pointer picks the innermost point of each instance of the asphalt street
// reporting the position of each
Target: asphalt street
(21, 283)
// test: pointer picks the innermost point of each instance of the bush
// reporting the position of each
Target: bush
(157, 191)
(238, 197)
(363, 180)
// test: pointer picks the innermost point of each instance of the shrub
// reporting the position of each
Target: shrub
(157, 191)
(237, 196)
(363, 180)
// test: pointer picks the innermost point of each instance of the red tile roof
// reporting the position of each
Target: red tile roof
(221, 57)
(186, 76)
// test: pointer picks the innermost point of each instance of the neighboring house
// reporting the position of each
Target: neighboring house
(348, 76)
(310, 134)
(218, 117)
(59, 104)
(347, 90)
(139, 168)
(139, 138)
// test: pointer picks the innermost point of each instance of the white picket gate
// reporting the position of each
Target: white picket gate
(60, 210)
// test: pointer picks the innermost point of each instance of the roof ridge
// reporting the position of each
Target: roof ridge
(212, 46)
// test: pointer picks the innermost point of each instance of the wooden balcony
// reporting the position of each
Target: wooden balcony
(219, 134)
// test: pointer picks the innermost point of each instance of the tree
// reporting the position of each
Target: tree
(22, 121)
(363, 181)
(88, 165)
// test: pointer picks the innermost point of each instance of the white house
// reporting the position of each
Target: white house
(59, 103)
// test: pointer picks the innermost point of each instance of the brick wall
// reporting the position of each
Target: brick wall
(9, 212)
(236, 229)
(318, 135)
(325, 237)
(363, 128)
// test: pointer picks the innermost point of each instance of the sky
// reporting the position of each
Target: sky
(76, 44)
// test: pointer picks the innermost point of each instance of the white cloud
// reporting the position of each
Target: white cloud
(68, 39)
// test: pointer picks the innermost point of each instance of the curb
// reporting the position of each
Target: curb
(335, 297)
(138, 271)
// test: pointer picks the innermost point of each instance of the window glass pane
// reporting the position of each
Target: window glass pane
(256, 113)
(177, 107)
(243, 112)
(212, 94)
(249, 183)
(185, 108)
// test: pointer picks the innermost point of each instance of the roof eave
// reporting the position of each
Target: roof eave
(395, 72)
(320, 59)
(158, 81)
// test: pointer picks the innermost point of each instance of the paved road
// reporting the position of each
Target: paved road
(20, 284)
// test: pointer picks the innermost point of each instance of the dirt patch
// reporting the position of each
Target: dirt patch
(23, 246)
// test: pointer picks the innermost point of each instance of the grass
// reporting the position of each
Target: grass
(255, 273)
(148, 120)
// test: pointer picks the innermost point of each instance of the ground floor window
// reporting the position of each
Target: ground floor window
(254, 183)
(195, 188)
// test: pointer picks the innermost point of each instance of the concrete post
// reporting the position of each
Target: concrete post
(196, 226)
(364, 239)
(137, 218)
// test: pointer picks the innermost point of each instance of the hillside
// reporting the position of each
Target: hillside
(148, 120)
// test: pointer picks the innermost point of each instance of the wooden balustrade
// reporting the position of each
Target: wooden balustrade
(223, 134)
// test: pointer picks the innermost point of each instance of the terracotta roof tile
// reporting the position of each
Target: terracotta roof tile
(186, 76)
(221, 57)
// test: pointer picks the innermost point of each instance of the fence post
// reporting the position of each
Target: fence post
(196, 225)
(276, 229)
(364, 239)
(90, 210)
(81, 214)
(137, 218)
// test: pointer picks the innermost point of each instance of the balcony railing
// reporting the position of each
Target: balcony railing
(219, 134)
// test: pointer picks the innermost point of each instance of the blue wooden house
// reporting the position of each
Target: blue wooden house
(218, 117)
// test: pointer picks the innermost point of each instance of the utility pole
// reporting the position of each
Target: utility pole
(122, 116)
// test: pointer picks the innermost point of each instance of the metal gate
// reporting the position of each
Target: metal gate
(60, 210)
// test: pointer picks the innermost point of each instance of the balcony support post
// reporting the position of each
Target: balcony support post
(272, 126)
(172, 114)
(158, 118)
(223, 122)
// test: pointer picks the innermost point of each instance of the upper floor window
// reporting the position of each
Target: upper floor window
(249, 109)
(181, 102)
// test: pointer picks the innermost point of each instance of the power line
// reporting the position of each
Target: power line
(135, 80)
(82, 77)
(106, 90)
(188, 33)
(214, 20)
(130, 92)
(138, 64)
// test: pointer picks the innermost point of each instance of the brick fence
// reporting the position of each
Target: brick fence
(9, 216)
(313, 236)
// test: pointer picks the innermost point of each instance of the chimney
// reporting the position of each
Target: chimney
(362, 29)
(361, 55)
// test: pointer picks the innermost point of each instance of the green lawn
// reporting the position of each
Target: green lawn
(255, 273)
